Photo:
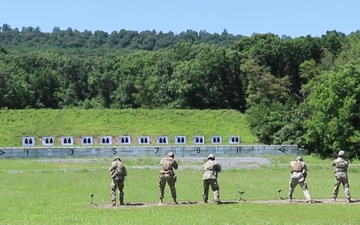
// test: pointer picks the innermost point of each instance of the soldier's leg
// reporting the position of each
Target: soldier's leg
(216, 190)
(113, 192)
(121, 189)
(171, 183)
(346, 185)
(292, 185)
(336, 188)
(305, 189)
(206, 191)
(162, 183)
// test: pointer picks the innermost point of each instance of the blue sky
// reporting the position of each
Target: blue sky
(282, 17)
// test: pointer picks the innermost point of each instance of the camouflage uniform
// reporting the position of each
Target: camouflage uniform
(341, 176)
(117, 173)
(167, 175)
(298, 176)
(210, 173)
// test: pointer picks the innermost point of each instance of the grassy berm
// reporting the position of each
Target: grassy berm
(74, 122)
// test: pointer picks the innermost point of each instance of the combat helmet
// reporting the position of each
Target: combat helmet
(211, 156)
(171, 154)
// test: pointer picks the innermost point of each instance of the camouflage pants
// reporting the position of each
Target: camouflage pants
(345, 182)
(117, 184)
(215, 188)
(167, 178)
(302, 182)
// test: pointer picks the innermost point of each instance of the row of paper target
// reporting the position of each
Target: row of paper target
(124, 140)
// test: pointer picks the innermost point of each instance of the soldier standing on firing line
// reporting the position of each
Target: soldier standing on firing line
(210, 173)
(341, 177)
(298, 176)
(167, 175)
(118, 173)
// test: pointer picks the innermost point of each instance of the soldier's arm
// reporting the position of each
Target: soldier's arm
(203, 167)
(125, 171)
(305, 167)
(334, 163)
(346, 164)
(175, 164)
(112, 167)
(218, 167)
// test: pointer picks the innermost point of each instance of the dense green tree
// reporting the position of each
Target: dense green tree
(335, 105)
(14, 92)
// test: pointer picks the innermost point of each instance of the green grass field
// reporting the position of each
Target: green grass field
(74, 122)
(58, 192)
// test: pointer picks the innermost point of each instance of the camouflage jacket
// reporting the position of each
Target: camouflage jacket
(168, 165)
(298, 170)
(341, 165)
(211, 169)
(118, 170)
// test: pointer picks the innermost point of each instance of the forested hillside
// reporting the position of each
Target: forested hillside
(303, 90)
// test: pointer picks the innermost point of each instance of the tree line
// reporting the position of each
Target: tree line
(303, 90)
(124, 39)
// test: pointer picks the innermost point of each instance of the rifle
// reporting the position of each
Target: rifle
(335, 155)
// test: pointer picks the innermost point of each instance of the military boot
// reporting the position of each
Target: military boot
(113, 202)
(205, 199)
(218, 202)
(161, 201)
(348, 200)
(122, 201)
(175, 201)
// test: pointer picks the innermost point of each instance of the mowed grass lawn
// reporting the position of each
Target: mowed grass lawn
(110, 122)
(58, 192)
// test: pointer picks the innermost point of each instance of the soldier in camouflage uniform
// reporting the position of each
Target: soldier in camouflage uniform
(341, 176)
(117, 173)
(298, 176)
(210, 173)
(167, 175)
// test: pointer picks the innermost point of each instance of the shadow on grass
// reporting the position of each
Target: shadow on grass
(231, 202)
(187, 203)
(134, 204)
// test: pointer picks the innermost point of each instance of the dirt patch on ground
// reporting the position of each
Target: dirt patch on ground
(270, 202)
(140, 205)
